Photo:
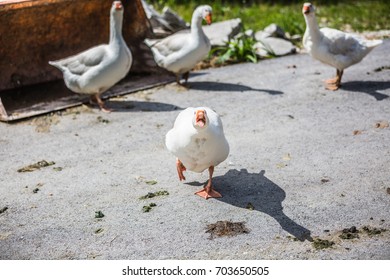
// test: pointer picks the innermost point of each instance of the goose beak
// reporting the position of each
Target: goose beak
(200, 118)
(209, 18)
(306, 10)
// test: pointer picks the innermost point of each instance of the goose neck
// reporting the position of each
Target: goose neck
(115, 28)
(196, 22)
(312, 27)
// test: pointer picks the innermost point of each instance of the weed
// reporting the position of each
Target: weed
(239, 49)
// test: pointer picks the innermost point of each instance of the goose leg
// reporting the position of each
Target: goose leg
(178, 79)
(185, 76)
(180, 168)
(100, 103)
(334, 84)
(208, 191)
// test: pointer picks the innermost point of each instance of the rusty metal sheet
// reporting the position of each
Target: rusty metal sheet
(34, 32)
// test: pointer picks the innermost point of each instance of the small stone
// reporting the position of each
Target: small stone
(261, 35)
(220, 33)
(275, 31)
(274, 47)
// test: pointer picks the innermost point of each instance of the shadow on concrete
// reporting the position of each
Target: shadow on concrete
(218, 86)
(240, 188)
(368, 87)
(140, 106)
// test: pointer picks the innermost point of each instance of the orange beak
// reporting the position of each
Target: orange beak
(306, 9)
(200, 118)
(209, 18)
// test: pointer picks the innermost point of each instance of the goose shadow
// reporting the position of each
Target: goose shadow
(140, 106)
(368, 87)
(241, 187)
(218, 86)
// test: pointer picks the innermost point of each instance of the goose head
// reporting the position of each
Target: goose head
(200, 119)
(117, 7)
(308, 10)
(204, 12)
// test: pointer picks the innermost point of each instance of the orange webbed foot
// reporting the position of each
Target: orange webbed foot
(332, 87)
(206, 194)
(331, 81)
(104, 109)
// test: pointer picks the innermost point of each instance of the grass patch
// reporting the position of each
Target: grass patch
(359, 16)
(240, 49)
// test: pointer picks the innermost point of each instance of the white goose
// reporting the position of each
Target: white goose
(333, 47)
(198, 141)
(99, 68)
(180, 52)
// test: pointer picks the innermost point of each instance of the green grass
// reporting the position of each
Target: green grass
(345, 15)
(239, 49)
(257, 14)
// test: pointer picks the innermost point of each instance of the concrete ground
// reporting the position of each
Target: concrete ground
(310, 162)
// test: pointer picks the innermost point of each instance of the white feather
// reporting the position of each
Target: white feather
(198, 149)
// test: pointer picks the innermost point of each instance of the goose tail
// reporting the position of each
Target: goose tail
(373, 43)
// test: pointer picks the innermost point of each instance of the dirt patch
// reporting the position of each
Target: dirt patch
(44, 123)
(151, 182)
(151, 195)
(36, 166)
(250, 206)
(100, 119)
(2, 210)
(321, 244)
(99, 214)
(372, 230)
(349, 233)
(148, 208)
(379, 69)
(382, 124)
(226, 228)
